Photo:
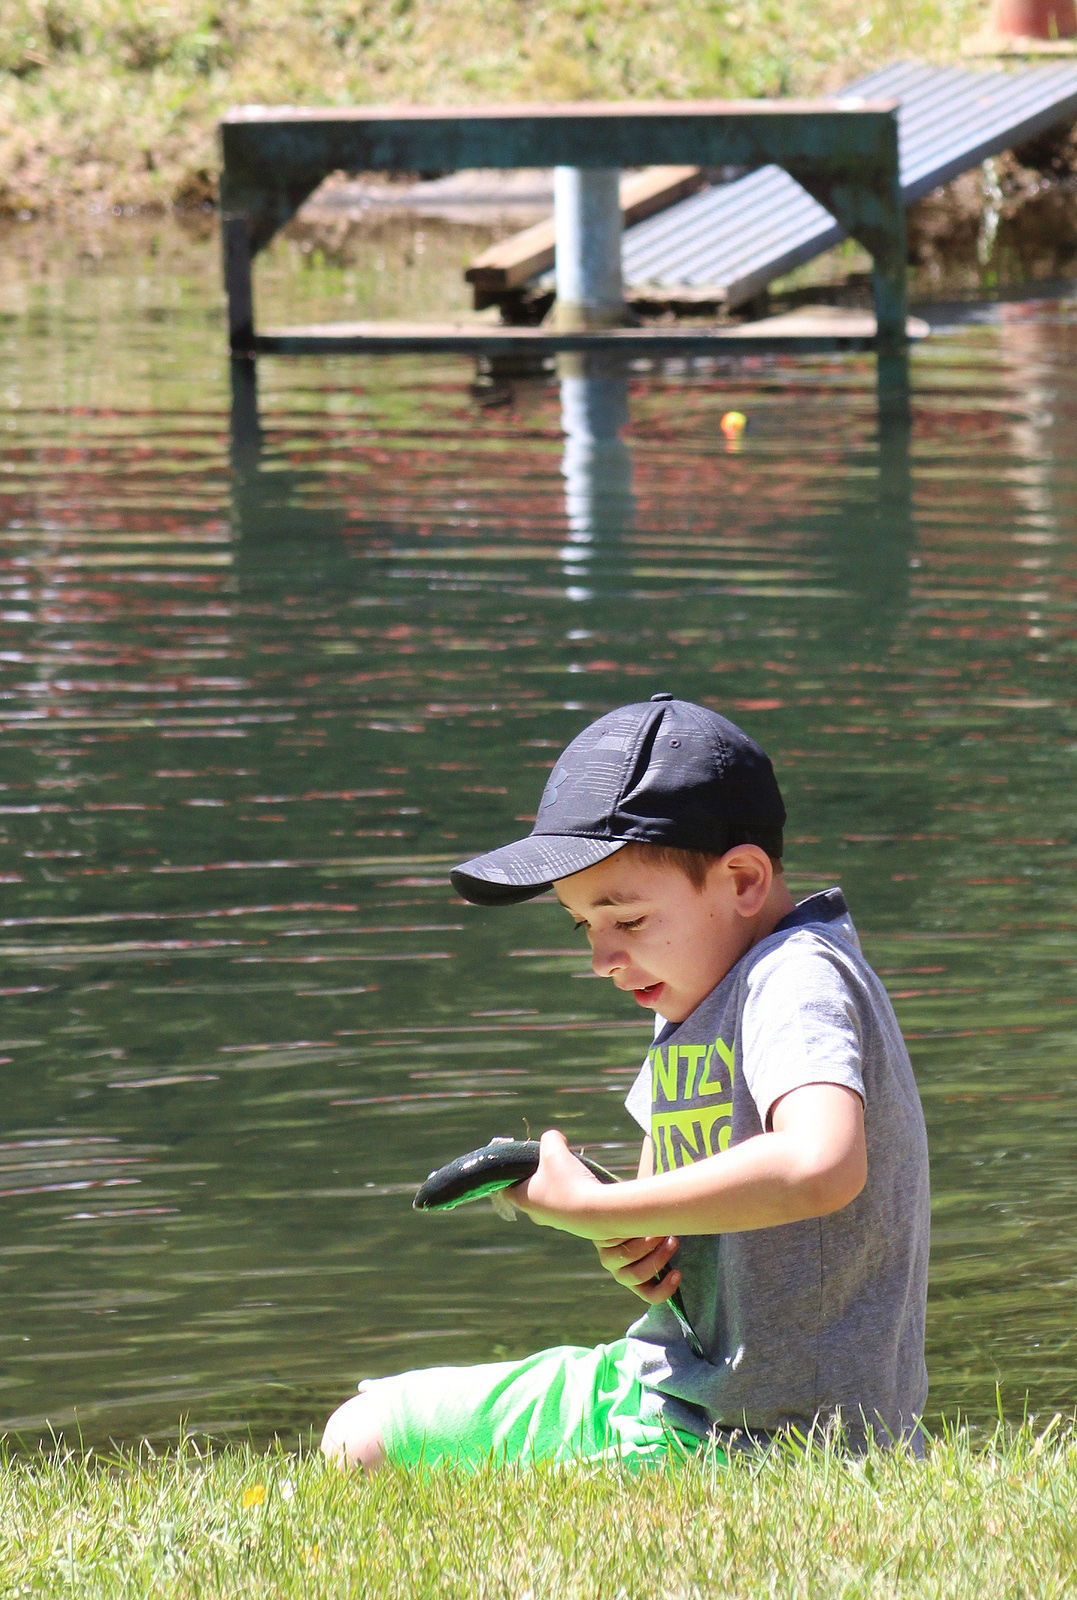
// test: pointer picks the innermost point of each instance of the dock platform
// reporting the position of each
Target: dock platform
(809, 331)
(844, 152)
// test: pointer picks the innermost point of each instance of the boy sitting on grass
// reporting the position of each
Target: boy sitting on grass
(784, 1174)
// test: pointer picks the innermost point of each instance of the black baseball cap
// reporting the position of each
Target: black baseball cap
(662, 771)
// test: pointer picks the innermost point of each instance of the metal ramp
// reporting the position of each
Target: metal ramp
(732, 240)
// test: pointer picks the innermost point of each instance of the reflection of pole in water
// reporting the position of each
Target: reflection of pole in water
(596, 465)
(873, 548)
(892, 388)
(1041, 441)
(246, 429)
(895, 453)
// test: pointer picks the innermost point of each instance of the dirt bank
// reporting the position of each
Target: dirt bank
(1016, 217)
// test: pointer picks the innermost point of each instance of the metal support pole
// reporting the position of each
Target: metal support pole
(890, 294)
(587, 222)
(236, 244)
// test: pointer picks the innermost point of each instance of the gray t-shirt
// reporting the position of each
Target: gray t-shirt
(810, 1319)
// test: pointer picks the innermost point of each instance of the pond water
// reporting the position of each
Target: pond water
(251, 716)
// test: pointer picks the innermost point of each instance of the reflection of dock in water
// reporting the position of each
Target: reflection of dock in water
(599, 510)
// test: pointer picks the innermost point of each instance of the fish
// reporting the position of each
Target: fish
(498, 1165)
(482, 1172)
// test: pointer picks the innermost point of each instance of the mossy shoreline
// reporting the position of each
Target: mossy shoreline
(994, 1516)
(113, 103)
(109, 109)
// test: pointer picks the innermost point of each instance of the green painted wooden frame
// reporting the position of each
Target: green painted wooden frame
(843, 152)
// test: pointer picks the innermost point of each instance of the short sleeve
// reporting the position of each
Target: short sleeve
(638, 1098)
(802, 1023)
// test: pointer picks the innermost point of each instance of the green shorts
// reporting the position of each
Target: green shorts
(568, 1404)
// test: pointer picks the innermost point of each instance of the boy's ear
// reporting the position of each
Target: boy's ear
(750, 871)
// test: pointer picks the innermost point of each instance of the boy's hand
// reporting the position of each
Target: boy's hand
(563, 1194)
(635, 1263)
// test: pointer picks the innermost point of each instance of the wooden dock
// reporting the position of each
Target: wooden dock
(844, 154)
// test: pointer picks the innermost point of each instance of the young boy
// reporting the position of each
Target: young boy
(784, 1167)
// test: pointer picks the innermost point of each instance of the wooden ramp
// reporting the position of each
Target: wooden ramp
(726, 243)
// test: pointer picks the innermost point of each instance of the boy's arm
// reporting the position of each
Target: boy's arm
(813, 1161)
(635, 1263)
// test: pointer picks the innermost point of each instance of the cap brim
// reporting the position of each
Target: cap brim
(527, 868)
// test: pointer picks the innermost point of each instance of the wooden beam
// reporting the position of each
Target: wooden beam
(273, 157)
(513, 261)
(809, 329)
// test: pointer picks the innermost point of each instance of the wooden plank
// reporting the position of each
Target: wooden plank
(998, 46)
(819, 329)
(512, 261)
(427, 121)
(816, 321)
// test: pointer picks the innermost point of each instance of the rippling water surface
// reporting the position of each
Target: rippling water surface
(251, 713)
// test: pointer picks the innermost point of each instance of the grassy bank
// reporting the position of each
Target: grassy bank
(115, 102)
(994, 1518)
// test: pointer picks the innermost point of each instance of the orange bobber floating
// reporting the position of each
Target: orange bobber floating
(1034, 19)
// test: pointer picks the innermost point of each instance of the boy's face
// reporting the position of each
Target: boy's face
(651, 931)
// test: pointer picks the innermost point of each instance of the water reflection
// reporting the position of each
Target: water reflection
(245, 424)
(254, 704)
(597, 468)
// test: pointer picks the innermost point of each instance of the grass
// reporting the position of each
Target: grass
(115, 102)
(993, 1517)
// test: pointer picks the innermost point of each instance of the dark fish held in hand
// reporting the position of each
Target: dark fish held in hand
(480, 1172)
(500, 1164)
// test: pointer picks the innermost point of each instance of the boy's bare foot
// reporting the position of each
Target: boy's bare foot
(352, 1436)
